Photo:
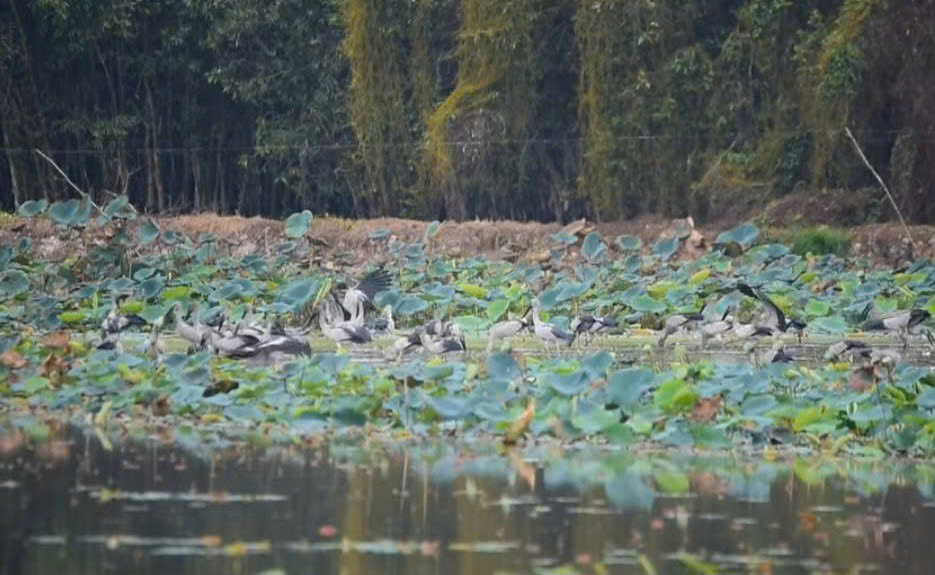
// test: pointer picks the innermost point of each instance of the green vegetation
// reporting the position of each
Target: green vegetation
(50, 314)
(462, 108)
(820, 241)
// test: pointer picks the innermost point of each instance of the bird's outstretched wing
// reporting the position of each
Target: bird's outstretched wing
(373, 283)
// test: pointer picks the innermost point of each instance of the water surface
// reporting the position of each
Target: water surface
(72, 504)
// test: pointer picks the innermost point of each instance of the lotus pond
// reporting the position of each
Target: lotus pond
(625, 457)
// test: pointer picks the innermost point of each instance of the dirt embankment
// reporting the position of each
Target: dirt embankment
(884, 244)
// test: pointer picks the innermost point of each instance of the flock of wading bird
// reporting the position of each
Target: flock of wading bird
(344, 320)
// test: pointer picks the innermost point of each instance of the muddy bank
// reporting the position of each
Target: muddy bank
(883, 244)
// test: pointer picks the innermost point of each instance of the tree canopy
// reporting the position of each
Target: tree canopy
(465, 108)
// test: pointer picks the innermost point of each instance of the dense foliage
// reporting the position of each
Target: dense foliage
(50, 313)
(446, 108)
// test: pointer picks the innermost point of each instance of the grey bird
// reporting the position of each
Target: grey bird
(675, 322)
(274, 348)
(550, 333)
(901, 321)
(353, 303)
(338, 330)
(194, 333)
(717, 328)
(507, 329)
(775, 317)
(115, 322)
(404, 345)
(385, 324)
(441, 345)
(847, 348)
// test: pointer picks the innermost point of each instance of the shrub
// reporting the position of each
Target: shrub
(820, 241)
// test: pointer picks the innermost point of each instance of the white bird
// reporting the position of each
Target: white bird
(776, 319)
(353, 303)
(194, 333)
(549, 333)
(340, 331)
(506, 329)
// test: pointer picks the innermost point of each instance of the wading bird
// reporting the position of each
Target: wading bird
(717, 328)
(441, 345)
(776, 319)
(680, 320)
(901, 322)
(385, 324)
(507, 329)
(847, 349)
(549, 333)
(274, 348)
(195, 333)
(115, 322)
(352, 305)
(338, 330)
(590, 325)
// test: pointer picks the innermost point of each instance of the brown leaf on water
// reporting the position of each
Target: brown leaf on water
(12, 359)
(54, 368)
(807, 521)
(524, 469)
(162, 405)
(706, 409)
(211, 540)
(861, 379)
(58, 340)
(430, 548)
(521, 424)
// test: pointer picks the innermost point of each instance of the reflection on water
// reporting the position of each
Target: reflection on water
(71, 505)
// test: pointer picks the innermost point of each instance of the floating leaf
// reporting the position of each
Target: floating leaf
(115, 206)
(675, 396)
(297, 224)
(32, 208)
(565, 238)
(595, 420)
(151, 287)
(496, 309)
(666, 248)
(13, 283)
(148, 232)
(431, 231)
(569, 384)
(502, 366)
(72, 317)
(817, 308)
(296, 294)
(743, 235)
(628, 243)
(472, 290)
(410, 305)
(593, 247)
(646, 304)
(65, 213)
(626, 386)
(834, 325)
